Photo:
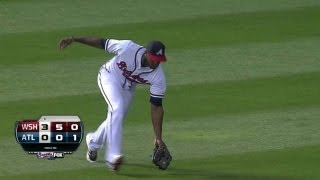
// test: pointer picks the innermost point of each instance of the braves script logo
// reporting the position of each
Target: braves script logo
(126, 73)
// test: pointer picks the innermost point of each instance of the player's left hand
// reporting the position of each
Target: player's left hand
(65, 42)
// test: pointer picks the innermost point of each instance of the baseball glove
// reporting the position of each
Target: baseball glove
(161, 157)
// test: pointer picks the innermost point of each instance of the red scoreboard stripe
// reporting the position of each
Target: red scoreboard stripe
(28, 126)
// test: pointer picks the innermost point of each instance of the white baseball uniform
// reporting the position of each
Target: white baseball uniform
(117, 80)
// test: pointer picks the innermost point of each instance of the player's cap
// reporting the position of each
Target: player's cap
(156, 51)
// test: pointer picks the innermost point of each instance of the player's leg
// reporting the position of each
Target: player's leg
(111, 91)
(128, 97)
(119, 108)
(115, 161)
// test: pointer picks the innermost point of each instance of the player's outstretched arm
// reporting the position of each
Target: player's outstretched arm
(90, 41)
(161, 156)
(157, 118)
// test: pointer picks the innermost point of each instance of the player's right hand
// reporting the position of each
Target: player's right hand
(65, 42)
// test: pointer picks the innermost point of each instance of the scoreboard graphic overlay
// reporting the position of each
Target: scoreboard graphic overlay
(51, 136)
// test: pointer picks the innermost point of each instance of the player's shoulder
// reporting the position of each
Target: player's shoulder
(132, 44)
(126, 42)
(158, 74)
(134, 49)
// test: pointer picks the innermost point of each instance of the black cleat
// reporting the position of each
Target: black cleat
(92, 155)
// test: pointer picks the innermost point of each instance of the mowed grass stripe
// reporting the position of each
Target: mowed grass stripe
(23, 16)
(191, 66)
(242, 62)
(288, 163)
(300, 90)
(217, 30)
(210, 137)
(229, 134)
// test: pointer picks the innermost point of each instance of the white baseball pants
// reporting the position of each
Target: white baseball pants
(110, 131)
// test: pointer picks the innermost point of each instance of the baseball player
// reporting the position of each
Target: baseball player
(117, 79)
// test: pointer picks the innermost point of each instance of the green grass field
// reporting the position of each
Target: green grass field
(243, 95)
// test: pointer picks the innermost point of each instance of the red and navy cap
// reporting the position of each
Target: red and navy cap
(156, 51)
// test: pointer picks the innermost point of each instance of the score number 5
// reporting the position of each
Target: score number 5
(59, 127)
